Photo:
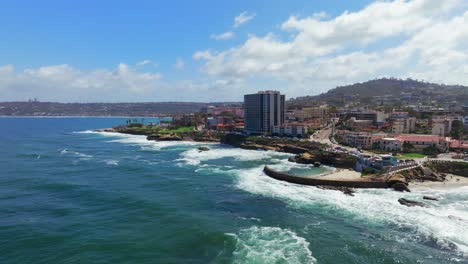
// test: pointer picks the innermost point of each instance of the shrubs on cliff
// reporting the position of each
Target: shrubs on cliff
(458, 167)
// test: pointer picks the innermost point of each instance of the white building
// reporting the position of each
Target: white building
(355, 139)
(290, 130)
(389, 144)
(442, 125)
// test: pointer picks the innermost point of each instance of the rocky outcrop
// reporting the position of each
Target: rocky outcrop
(164, 138)
(459, 168)
(346, 190)
(306, 152)
(200, 149)
(112, 130)
(339, 160)
(292, 149)
(411, 203)
(422, 174)
(258, 147)
(430, 198)
(401, 187)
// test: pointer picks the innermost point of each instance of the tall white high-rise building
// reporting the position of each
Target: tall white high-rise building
(262, 111)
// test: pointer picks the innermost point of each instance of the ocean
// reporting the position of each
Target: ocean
(71, 195)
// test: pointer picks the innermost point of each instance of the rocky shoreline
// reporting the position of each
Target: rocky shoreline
(188, 136)
(306, 152)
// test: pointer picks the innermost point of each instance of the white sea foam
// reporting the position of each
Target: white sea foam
(195, 157)
(75, 153)
(271, 245)
(112, 162)
(140, 140)
(445, 222)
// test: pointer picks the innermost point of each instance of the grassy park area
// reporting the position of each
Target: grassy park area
(411, 156)
(149, 130)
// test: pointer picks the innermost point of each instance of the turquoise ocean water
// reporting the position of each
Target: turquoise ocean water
(69, 195)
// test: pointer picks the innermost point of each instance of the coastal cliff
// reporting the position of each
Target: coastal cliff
(158, 133)
(306, 152)
(457, 168)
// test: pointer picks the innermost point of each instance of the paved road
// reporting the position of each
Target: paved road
(322, 136)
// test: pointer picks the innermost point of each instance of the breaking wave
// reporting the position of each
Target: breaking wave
(270, 245)
(75, 153)
(444, 223)
(195, 157)
(140, 140)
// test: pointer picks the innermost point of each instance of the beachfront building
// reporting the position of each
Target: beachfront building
(414, 142)
(388, 144)
(295, 130)
(262, 111)
(355, 139)
(376, 163)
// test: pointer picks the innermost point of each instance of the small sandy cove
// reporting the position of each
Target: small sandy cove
(341, 174)
(452, 181)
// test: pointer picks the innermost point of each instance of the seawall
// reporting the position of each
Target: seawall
(364, 183)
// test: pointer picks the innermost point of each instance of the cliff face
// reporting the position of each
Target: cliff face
(457, 168)
(338, 160)
(171, 135)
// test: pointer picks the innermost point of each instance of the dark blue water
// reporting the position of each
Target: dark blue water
(68, 195)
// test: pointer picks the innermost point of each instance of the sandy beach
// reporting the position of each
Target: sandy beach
(341, 174)
(453, 181)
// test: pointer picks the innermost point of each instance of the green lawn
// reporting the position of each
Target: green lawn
(160, 130)
(411, 156)
(177, 130)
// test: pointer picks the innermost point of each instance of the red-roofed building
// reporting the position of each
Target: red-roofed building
(458, 145)
(418, 142)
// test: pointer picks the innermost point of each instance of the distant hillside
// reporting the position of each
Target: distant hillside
(390, 90)
(96, 109)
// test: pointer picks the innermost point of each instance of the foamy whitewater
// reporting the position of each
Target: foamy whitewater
(107, 197)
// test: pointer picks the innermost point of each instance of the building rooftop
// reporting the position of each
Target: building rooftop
(421, 138)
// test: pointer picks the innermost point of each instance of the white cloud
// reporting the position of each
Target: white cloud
(66, 83)
(123, 83)
(423, 39)
(242, 18)
(179, 64)
(320, 15)
(427, 39)
(143, 62)
(223, 36)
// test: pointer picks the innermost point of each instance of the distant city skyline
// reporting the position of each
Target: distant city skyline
(128, 51)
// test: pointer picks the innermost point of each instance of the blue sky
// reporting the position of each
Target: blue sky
(90, 34)
(141, 41)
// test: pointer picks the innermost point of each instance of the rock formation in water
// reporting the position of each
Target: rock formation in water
(411, 203)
